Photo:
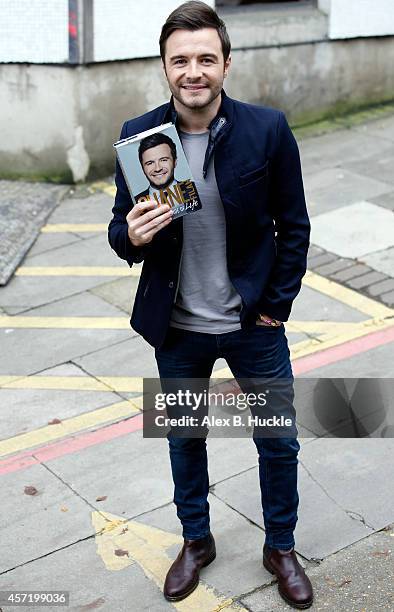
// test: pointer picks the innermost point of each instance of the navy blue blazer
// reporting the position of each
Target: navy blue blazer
(258, 172)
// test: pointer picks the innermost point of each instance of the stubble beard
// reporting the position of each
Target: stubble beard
(196, 104)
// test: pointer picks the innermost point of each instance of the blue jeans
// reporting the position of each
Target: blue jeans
(257, 352)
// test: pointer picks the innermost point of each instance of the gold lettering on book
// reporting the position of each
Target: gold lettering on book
(158, 201)
(181, 196)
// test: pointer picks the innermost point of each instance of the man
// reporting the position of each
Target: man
(250, 240)
(158, 157)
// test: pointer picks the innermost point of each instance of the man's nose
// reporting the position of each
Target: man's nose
(193, 70)
(157, 166)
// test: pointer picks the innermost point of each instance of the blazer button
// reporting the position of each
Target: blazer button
(171, 285)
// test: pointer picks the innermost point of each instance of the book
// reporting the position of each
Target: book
(155, 167)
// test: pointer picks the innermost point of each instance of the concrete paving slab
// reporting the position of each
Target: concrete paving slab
(379, 167)
(386, 200)
(334, 188)
(24, 208)
(339, 148)
(388, 298)
(51, 347)
(114, 469)
(26, 409)
(228, 457)
(337, 464)
(314, 539)
(371, 229)
(311, 305)
(359, 577)
(120, 292)
(93, 252)
(84, 304)
(133, 357)
(25, 292)
(47, 242)
(383, 261)
(53, 518)
(294, 338)
(382, 130)
(127, 493)
(365, 280)
(96, 208)
(79, 570)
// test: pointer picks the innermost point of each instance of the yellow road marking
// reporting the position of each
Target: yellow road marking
(326, 330)
(64, 322)
(329, 334)
(327, 339)
(107, 188)
(311, 279)
(135, 385)
(346, 296)
(77, 271)
(74, 383)
(320, 327)
(7, 379)
(74, 227)
(147, 546)
(308, 347)
(20, 321)
(67, 427)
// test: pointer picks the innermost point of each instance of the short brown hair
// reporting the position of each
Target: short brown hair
(194, 15)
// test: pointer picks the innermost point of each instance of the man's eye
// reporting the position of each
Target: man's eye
(180, 61)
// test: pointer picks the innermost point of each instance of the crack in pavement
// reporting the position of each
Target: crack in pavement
(356, 516)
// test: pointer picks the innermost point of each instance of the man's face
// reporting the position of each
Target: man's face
(195, 67)
(158, 166)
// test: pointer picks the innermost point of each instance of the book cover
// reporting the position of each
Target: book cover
(155, 167)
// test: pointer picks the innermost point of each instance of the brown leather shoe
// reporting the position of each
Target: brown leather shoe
(183, 576)
(294, 585)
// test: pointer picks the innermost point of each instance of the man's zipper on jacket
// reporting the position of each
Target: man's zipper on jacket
(147, 287)
(179, 276)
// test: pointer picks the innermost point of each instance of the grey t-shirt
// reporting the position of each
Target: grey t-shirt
(206, 300)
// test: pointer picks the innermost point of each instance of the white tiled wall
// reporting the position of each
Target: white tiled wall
(352, 18)
(130, 28)
(34, 31)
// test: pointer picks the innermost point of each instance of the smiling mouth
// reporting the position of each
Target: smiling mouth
(194, 87)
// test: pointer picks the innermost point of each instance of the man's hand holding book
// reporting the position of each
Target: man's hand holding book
(145, 219)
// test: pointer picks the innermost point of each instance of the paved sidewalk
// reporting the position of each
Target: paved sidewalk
(87, 501)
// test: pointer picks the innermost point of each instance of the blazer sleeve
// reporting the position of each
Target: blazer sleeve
(292, 226)
(118, 236)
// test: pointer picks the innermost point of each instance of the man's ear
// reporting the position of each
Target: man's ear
(227, 64)
(164, 68)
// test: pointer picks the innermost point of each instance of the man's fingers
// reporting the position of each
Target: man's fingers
(143, 226)
(149, 235)
(144, 217)
(146, 227)
(142, 207)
